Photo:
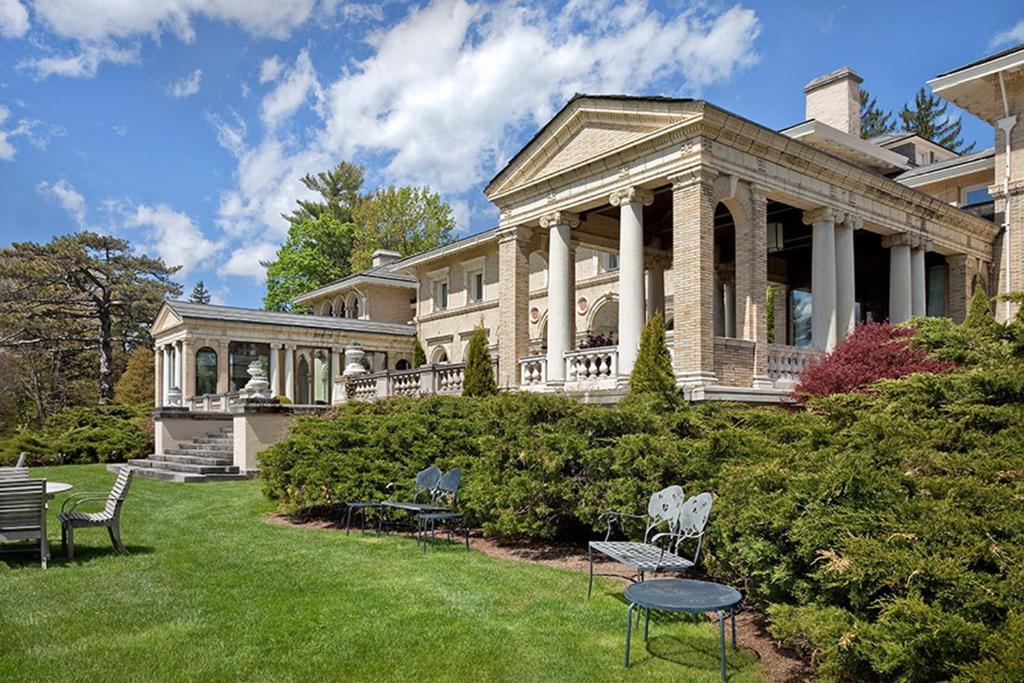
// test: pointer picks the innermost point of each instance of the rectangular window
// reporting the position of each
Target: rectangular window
(608, 262)
(800, 317)
(475, 286)
(976, 195)
(441, 295)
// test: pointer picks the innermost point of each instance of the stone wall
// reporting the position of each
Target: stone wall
(734, 362)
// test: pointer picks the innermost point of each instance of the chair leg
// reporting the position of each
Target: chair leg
(44, 551)
(115, 537)
(71, 543)
(63, 537)
(348, 521)
(590, 556)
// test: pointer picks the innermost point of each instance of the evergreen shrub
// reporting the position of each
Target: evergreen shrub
(111, 433)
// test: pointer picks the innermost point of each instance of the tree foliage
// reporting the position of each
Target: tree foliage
(478, 377)
(874, 121)
(315, 254)
(200, 294)
(84, 434)
(80, 293)
(872, 352)
(338, 189)
(403, 219)
(652, 375)
(137, 384)
(980, 316)
(929, 117)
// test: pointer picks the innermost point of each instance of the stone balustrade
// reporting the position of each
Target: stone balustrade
(428, 380)
(596, 368)
(214, 403)
(533, 372)
(785, 363)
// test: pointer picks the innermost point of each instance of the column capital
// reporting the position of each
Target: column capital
(897, 240)
(631, 195)
(290, 347)
(559, 218)
(515, 233)
(693, 176)
(853, 221)
(823, 214)
(276, 345)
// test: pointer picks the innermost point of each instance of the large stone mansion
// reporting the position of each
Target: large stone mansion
(620, 207)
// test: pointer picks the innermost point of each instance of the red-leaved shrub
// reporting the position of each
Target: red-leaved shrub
(872, 352)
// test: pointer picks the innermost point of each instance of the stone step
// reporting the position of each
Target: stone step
(191, 459)
(212, 447)
(220, 438)
(184, 467)
(229, 455)
(180, 477)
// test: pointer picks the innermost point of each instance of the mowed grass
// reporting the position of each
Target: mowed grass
(212, 592)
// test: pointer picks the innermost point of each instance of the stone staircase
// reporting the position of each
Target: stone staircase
(207, 458)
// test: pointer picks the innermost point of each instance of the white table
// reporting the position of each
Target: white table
(55, 487)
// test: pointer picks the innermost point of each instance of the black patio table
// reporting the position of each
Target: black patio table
(683, 595)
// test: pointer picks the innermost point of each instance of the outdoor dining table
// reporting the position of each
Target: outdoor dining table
(683, 595)
(55, 487)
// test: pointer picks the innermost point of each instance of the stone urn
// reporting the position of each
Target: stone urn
(354, 356)
(257, 386)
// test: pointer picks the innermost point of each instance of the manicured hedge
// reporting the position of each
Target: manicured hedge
(112, 433)
(882, 531)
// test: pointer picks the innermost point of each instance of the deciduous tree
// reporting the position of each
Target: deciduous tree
(316, 253)
(137, 384)
(404, 219)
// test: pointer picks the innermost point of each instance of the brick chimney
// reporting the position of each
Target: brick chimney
(834, 99)
(383, 257)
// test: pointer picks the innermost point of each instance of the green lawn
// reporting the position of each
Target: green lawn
(211, 592)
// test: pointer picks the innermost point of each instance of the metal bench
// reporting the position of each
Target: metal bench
(683, 519)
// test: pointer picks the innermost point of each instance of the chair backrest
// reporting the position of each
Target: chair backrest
(665, 507)
(694, 520)
(115, 499)
(22, 459)
(448, 486)
(13, 473)
(427, 480)
(22, 509)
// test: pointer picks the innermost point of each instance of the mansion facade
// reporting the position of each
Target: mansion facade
(761, 248)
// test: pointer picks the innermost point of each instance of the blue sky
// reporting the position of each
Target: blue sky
(184, 125)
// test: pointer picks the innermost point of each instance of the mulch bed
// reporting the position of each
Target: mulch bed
(780, 664)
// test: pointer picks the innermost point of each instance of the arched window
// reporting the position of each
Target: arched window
(439, 355)
(327, 308)
(206, 371)
(353, 305)
(403, 364)
(342, 309)
(241, 355)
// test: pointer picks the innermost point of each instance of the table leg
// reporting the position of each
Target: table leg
(348, 521)
(629, 631)
(721, 640)
(647, 622)
(590, 556)
(732, 616)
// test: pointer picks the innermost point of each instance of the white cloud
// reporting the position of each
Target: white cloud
(187, 86)
(270, 69)
(172, 236)
(230, 135)
(294, 89)
(13, 19)
(245, 261)
(449, 93)
(1011, 36)
(82, 64)
(69, 199)
(34, 131)
(120, 131)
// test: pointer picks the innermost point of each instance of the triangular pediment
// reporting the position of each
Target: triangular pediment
(166, 319)
(587, 129)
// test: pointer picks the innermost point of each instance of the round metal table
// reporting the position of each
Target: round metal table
(683, 595)
(55, 487)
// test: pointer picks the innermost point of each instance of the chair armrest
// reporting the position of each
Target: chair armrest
(612, 516)
(82, 498)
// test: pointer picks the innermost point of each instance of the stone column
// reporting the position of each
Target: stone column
(846, 301)
(158, 376)
(514, 247)
(561, 281)
(289, 371)
(275, 370)
(918, 299)
(631, 272)
(823, 276)
(179, 379)
(900, 297)
(728, 308)
(223, 366)
(693, 277)
(188, 369)
(656, 289)
(753, 269)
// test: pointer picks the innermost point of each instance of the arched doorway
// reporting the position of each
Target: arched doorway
(302, 381)
(206, 371)
(321, 378)
(403, 364)
(604, 323)
(725, 272)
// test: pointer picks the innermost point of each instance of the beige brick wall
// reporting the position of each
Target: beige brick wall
(734, 362)
(963, 270)
(692, 275)
(950, 191)
(513, 325)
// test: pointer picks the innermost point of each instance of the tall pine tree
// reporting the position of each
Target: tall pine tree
(929, 118)
(874, 121)
(200, 294)
(339, 190)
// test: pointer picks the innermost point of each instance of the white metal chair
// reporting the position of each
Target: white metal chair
(23, 513)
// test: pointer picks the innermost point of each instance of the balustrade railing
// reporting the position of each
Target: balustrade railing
(214, 403)
(785, 363)
(449, 378)
(533, 371)
(592, 368)
(424, 381)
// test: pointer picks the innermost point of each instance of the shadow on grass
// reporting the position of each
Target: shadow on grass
(28, 557)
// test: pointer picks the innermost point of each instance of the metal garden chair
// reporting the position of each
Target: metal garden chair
(110, 517)
(22, 460)
(444, 510)
(23, 512)
(425, 490)
(659, 552)
(426, 482)
(13, 473)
